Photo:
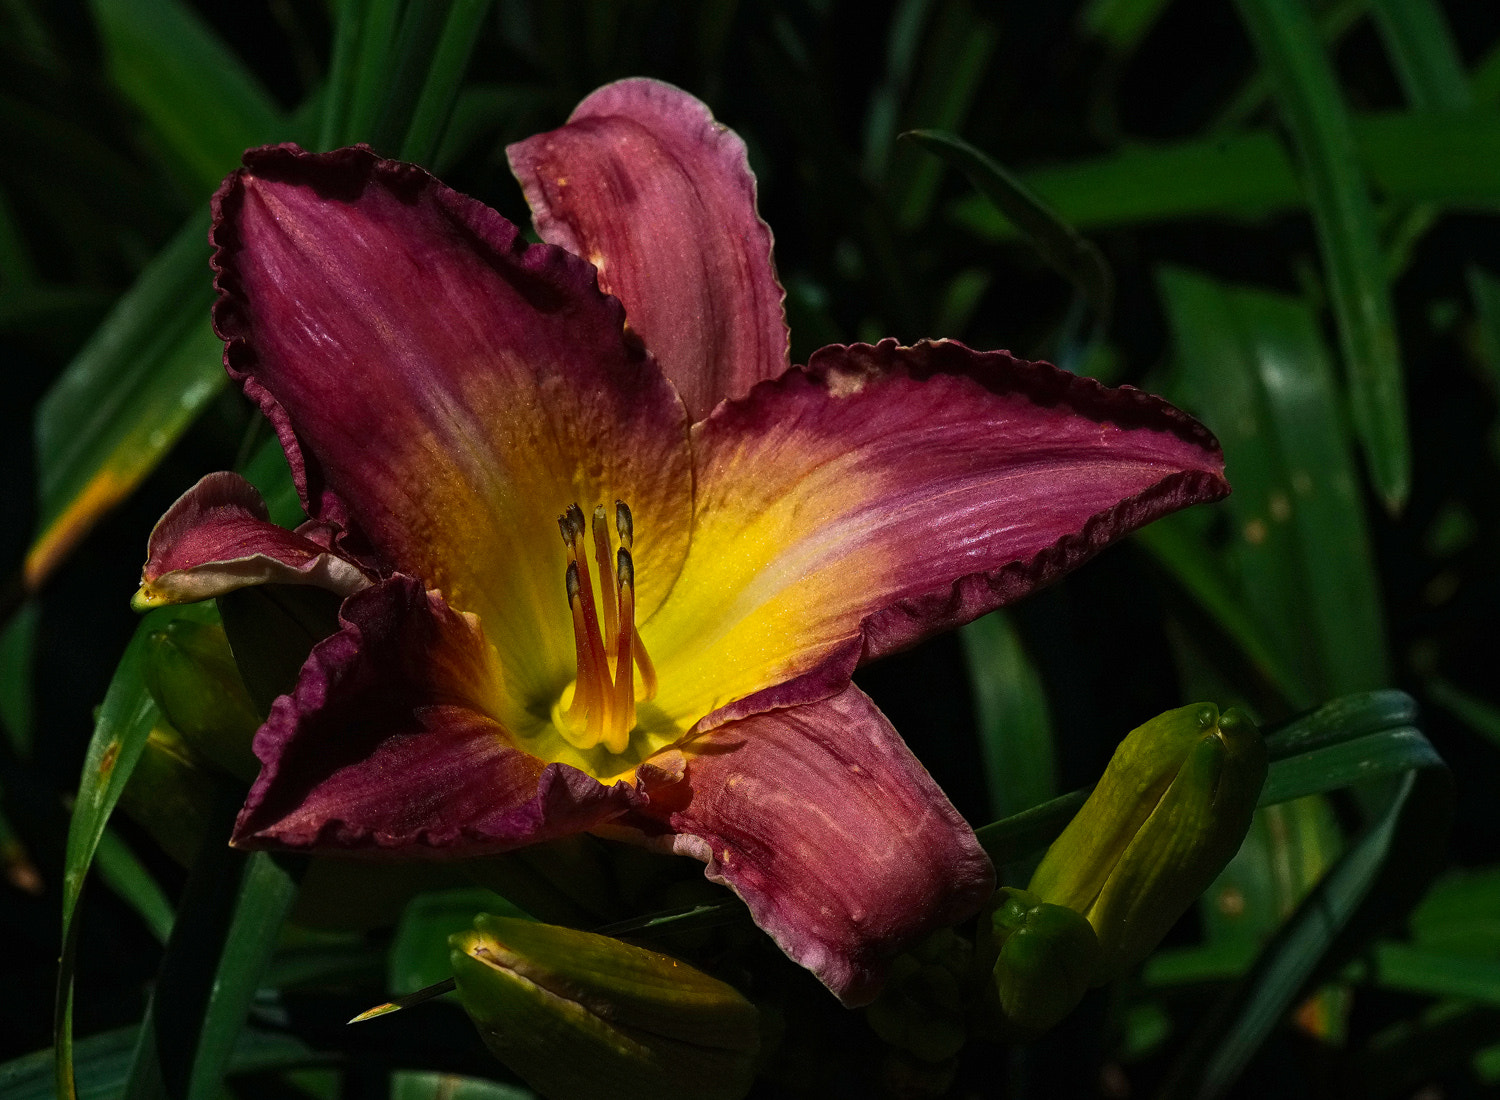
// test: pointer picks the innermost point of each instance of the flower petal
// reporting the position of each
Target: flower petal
(885, 493)
(218, 537)
(644, 184)
(444, 390)
(389, 743)
(833, 833)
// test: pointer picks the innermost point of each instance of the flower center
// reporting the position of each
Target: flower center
(610, 652)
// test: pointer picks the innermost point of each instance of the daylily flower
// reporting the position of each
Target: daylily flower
(521, 657)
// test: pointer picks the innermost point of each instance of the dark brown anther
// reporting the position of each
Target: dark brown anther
(624, 524)
(625, 569)
(572, 581)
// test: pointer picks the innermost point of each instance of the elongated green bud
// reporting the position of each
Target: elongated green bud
(191, 674)
(1046, 957)
(1170, 811)
(921, 1008)
(579, 1015)
(171, 794)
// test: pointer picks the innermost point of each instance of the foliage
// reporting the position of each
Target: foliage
(1278, 213)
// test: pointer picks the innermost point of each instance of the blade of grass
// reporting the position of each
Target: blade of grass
(1057, 243)
(1376, 880)
(450, 59)
(1448, 158)
(127, 876)
(350, 19)
(205, 105)
(1216, 377)
(1427, 60)
(1174, 545)
(1342, 613)
(1015, 729)
(125, 721)
(905, 35)
(228, 924)
(374, 61)
(143, 376)
(409, 59)
(1433, 974)
(1431, 71)
(104, 1063)
(956, 55)
(1307, 92)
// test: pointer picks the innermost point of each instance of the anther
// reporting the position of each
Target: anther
(606, 581)
(624, 524)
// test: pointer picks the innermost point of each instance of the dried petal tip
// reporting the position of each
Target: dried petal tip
(582, 1015)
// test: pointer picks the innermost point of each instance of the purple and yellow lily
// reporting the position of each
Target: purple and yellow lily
(608, 561)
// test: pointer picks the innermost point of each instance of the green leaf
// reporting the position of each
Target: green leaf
(226, 930)
(1174, 543)
(1307, 92)
(143, 376)
(103, 1062)
(376, 30)
(127, 876)
(1332, 535)
(1253, 365)
(1377, 878)
(419, 952)
(1434, 974)
(1055, 241)
(955, 57)
(450, 58)
(1217, 378)
(1427, 60)
(1449, 158)
(200, 100)
(125, 721)
(1015, 729)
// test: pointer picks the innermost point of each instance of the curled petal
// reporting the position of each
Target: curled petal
(885, 493)
(834, 835)
(389, 742)
(644, 184)
(218, 537)
(444, 390)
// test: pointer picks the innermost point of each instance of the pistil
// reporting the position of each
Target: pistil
(602, 710)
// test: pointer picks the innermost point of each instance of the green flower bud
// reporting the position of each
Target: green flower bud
(581, 1015)
(1171, 809)
(191, 674)
(170, 795)
(1046, 957)
(920, 1010)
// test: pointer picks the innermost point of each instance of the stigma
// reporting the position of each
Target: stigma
(610, 654)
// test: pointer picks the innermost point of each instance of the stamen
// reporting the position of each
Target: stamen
(604, 560)
(603, 708)
(586, 711)
(624, 702)
(593, 688)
